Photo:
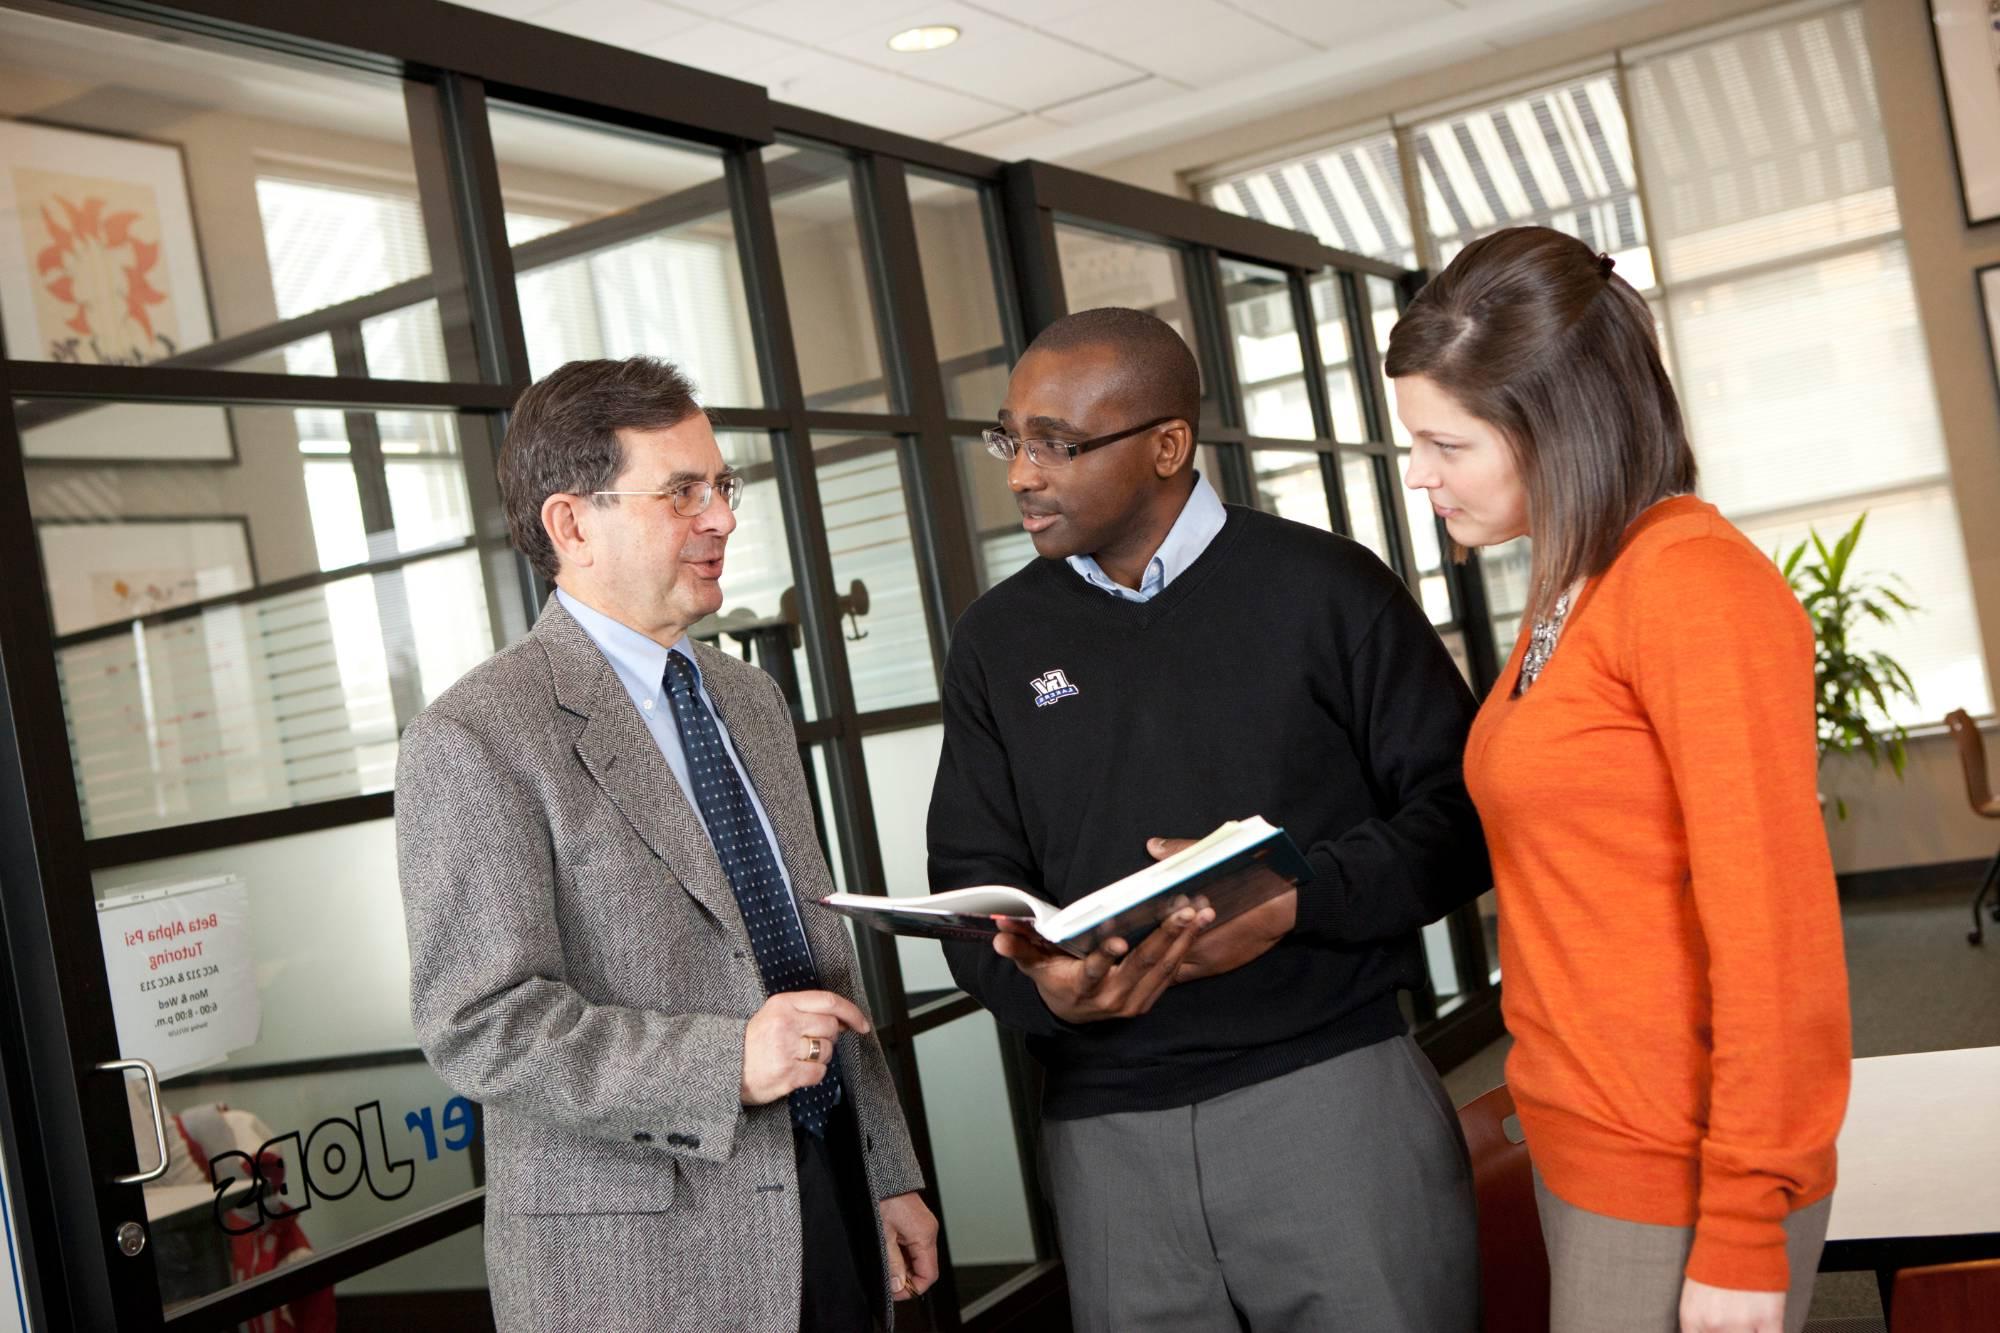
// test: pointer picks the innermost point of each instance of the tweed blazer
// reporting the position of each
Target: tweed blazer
(579, 967)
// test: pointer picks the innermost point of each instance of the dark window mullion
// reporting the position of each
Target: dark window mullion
(1463, 584)
(1203, 275)
(883, 252)
(1375, 412)
(812, 565)
(247, 388)
(378, 526)
(444, 208)
(1466, 932)
(1316, 396)
(1203, 271)
(757, 240)
(1001, 261)
(58, 1000)
(209, 835)
(456, 139)
(933, 488)
(1468, 943)
(1031, 243)
(371, 1249)
(853, 815)
(826, 422)
(1474, 616)
(1237, 484)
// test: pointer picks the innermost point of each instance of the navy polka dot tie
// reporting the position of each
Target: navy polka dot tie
(752, 866)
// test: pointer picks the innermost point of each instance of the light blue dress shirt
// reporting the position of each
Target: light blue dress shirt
(641, 665)
(1200, 519)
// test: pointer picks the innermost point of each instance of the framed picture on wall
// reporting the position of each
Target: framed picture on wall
(98, 259)
(59, 431)
(1988, 279)
(109, 572)
(1967, 35)
(99, 265)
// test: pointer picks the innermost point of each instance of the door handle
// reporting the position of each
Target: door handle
(159, 1118)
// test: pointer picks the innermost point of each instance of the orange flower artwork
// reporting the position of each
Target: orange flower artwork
(102, 295)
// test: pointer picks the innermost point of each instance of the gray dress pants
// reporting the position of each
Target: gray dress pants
(1607, 1275)
(1336, 1197)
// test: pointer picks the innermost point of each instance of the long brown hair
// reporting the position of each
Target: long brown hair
(1532, 333)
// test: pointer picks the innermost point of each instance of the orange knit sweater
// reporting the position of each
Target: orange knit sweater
(1670, 942)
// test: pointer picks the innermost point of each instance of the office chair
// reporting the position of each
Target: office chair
(1972, 754)
(1513, 1262)
(1946, 1298)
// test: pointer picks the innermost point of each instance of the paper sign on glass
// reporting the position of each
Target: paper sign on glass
(183, 978)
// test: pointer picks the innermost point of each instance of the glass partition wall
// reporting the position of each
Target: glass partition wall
(278, 290)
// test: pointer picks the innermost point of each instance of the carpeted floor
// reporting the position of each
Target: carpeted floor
(1916, 985)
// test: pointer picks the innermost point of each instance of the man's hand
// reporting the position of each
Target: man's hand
(789, 1042)
(1706, 1309)
(910, 1233)
(1244, 939)
(1114, 981)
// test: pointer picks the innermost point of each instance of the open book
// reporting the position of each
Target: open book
(1240, 865)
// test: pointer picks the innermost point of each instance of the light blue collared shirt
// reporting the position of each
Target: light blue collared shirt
(641, 665)
(1200, 519)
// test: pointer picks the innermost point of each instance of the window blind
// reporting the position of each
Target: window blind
(1556, 157)
(1799, 356)
(1350, 196)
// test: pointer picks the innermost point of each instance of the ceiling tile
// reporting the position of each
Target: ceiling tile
(715, 9)
(634, 24)
(1116, 27)
(1002, 139)
(892, 102)
(818, 21)
(738, 52)
(1111, 102)
(511, 9)
(1043, 14)
(1534, 25)
(1198, 42)
(781, 76)
(994, 58)
(1213, 49)
(1110, 25)
(1326, 24)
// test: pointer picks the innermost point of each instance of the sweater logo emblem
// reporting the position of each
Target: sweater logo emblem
(1051, 686)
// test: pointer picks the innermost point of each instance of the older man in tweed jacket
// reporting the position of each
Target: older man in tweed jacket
(608, 865)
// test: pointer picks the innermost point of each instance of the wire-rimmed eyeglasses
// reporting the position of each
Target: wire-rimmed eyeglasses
(692, 498)
(1056, 453)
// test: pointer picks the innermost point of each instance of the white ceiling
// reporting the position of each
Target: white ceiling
(1061, 80)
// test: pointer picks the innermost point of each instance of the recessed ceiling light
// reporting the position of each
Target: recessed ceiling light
(927, 38)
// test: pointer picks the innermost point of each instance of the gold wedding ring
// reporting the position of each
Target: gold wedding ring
(812, 1050)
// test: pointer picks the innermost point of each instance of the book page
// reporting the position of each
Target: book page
(958, 914)
(1147, 881)
(980, 900)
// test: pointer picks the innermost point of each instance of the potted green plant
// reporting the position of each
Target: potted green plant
(1855, 686)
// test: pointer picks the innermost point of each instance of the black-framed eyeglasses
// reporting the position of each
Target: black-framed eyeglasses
(692, 498)
(1056, 453)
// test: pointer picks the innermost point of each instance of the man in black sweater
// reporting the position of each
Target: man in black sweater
(1238, 1128)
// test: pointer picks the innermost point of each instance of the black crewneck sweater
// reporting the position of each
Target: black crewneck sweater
(1285, 673)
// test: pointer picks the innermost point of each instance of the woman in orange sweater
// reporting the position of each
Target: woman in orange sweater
(1646, 772)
